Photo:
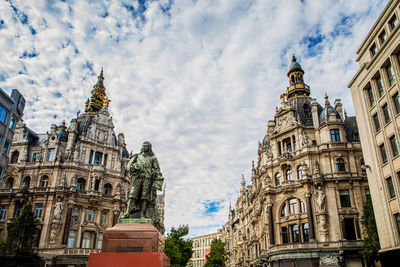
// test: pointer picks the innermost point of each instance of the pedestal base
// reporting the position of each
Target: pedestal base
(144, 259)
(126, 244)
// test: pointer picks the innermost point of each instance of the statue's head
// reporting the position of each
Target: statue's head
(146, 147)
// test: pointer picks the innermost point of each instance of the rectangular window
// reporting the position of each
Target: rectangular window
(38, 210)
(99, 241)
(396, 102)
(345, 198)
(75, 214)
(103, 218)
(381, 89)
(335, 137)
(397, 218)
(376, 122)
(393, 144)
(97, 158)
(51, 154)
(3, 114)
(370, 96)
(90, 214)
(349, 230)
(3, 212)
(390, 74)
(393, 22)
(306, 232)
(285, 238)
(91, 157)
(383, 153)
(382, 36)
(295, 233)
(71, 239)
(373, 50)
(386, 114)
(18, 208)
(36, 157)
(6, 148)
(390, 187)
(87, 239)
(13, 121)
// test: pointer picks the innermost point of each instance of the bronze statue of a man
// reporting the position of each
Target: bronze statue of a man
(146, 178)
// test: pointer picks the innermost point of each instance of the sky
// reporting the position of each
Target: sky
(198, 79)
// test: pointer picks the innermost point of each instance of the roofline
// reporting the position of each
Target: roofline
(378, 21)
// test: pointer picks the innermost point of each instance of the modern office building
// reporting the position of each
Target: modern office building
(11, 111)
(375, 91)
(75, 179)
(305, 201)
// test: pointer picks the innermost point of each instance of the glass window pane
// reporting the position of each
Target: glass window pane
(396, 102)
(393, 144)
(386, 113)
(391, 187)
(376, 122)
(383, 153)
(390, 74)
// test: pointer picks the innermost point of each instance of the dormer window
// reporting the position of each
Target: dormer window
(335, 136)
(51, 154)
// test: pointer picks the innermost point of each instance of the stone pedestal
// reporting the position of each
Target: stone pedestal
(131, 242)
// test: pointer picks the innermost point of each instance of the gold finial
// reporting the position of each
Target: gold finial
(327, 104)
(283, 97)
(62, 126)
(294, 59)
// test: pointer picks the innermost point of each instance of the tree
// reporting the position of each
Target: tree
(21, 233)
(217, 255)
(178, 249)
(371, 241)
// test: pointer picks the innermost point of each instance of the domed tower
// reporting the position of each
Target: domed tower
(296, 80)
(98, 99)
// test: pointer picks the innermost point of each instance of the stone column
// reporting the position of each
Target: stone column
(310, 216)
(67, 224)
(270, 223)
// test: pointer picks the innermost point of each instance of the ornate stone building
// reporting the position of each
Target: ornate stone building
(305, 201)
(375, 93)
(75, 179)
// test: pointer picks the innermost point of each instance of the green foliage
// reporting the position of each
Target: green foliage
(178, 249)
(21, 233)
(217, 255)
(371, 240)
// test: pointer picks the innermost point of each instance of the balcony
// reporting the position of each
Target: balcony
(80, 251)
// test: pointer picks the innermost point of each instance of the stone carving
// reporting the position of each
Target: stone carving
(320, 199)
(56, 223)
(146, 179)
(316, 168)
(323, 228)
(328, 260)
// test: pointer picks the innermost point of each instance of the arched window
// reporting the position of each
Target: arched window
(300, 172)
(14, 156)
(306, 232)
(340, 167)
(283, 210)
(293, 206)
(278, 179)
(44, 181)
(26, 182)
(107, 189)
(288, 174)
(9, 183)
(80, 184)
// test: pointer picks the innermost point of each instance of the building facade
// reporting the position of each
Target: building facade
(305, 201)
(74, 178)
(11, 111)
(202, 247)
(375, 92)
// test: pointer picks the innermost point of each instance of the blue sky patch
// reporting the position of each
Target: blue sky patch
(27, 54)
(211, 206)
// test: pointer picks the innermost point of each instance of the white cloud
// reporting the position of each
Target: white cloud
(199, 79)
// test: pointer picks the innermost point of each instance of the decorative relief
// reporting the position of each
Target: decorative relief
(56, 223)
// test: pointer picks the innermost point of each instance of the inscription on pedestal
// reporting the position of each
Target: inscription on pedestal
(129, 249)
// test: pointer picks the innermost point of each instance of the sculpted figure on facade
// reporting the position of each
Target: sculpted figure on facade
(320, 195)
(146, 179)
